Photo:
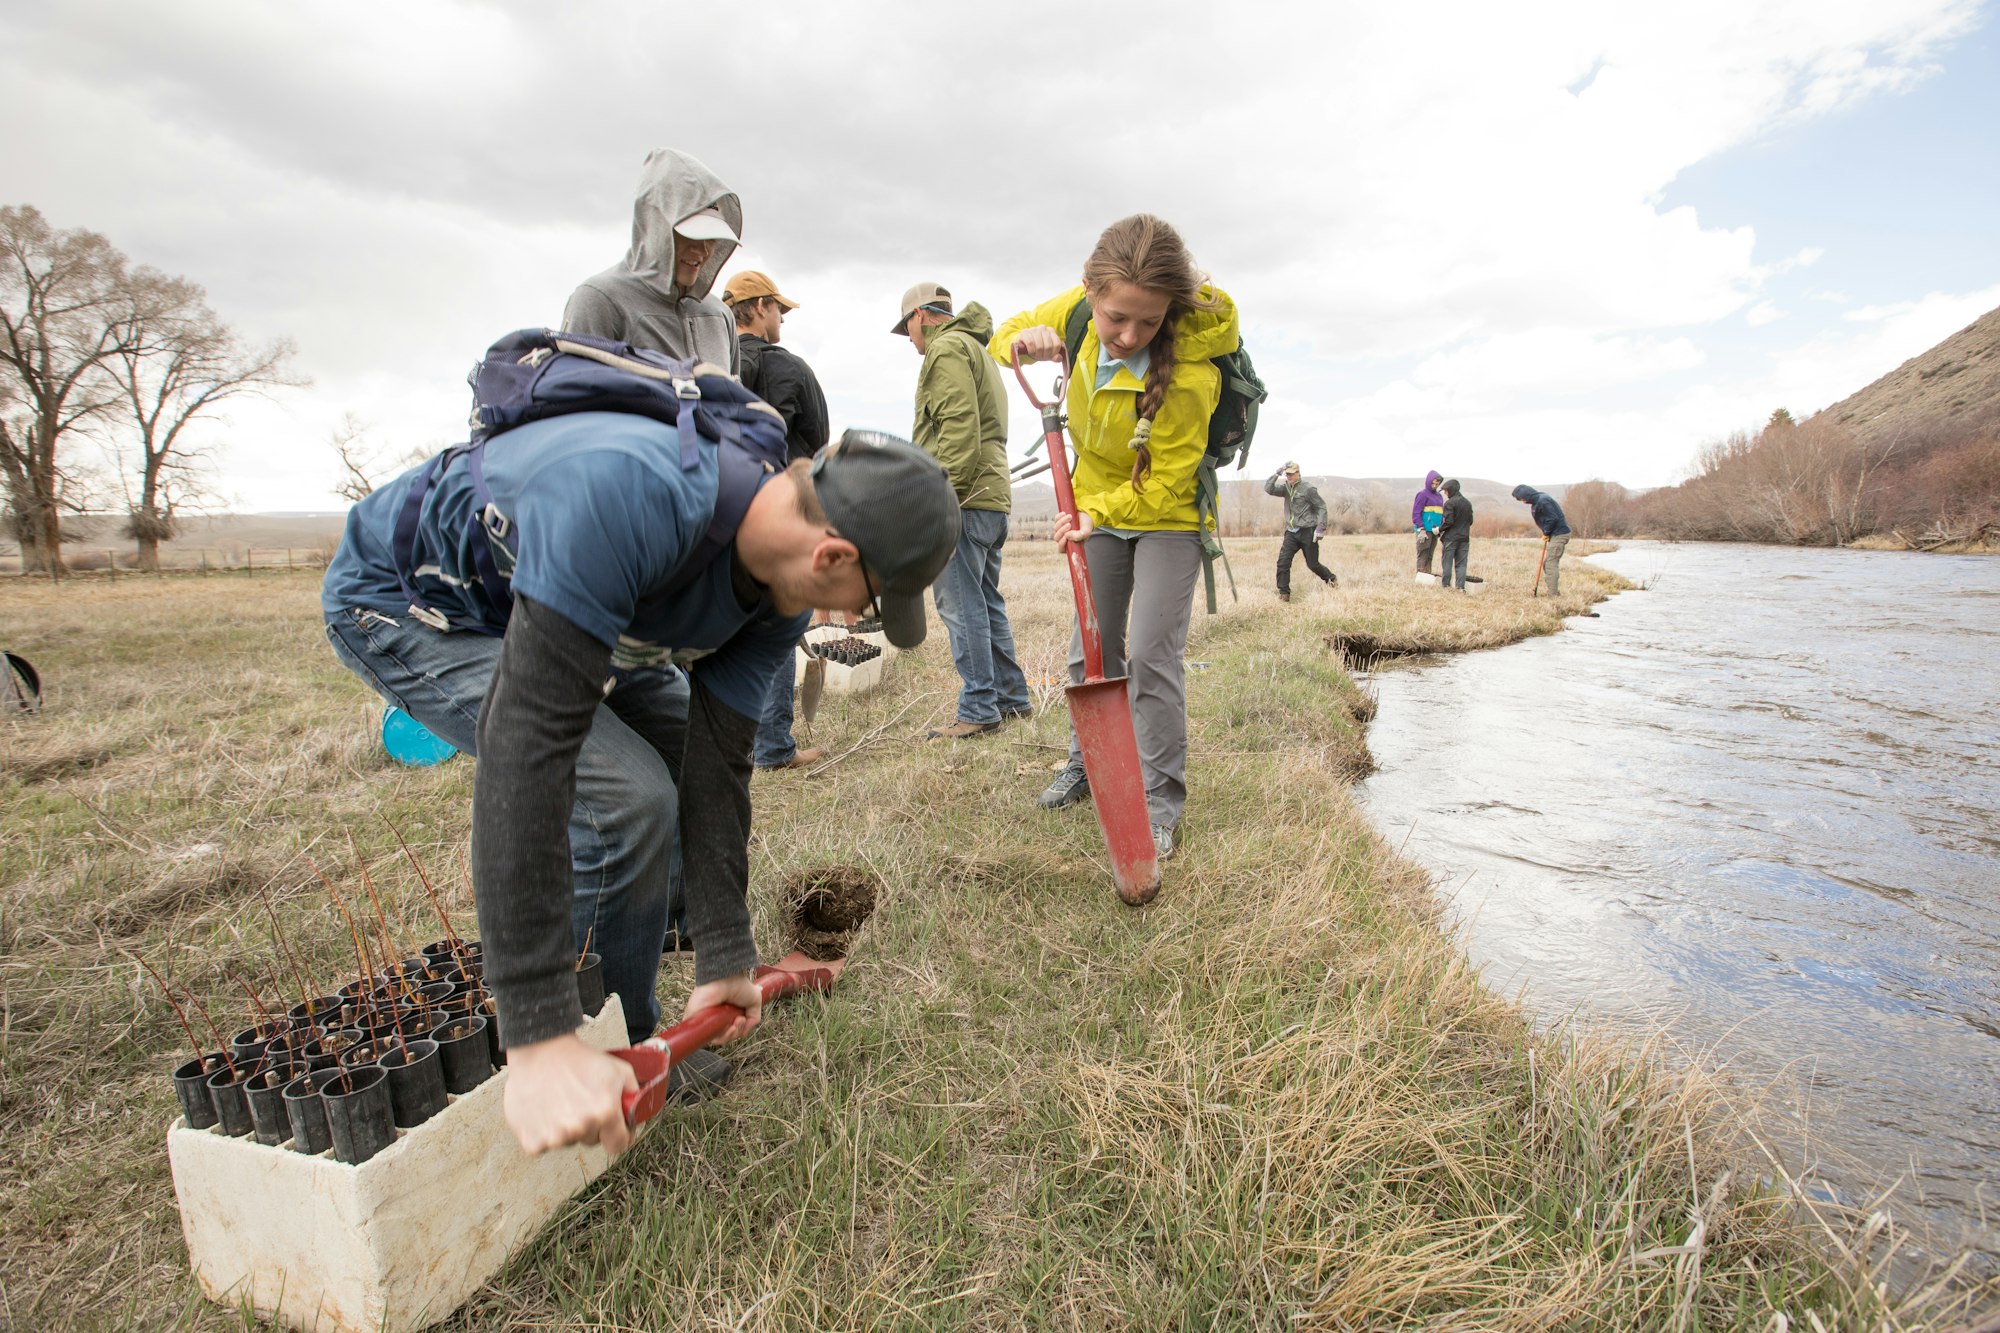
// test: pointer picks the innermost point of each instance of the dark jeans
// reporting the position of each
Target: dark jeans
(1455, 551)
(1300, 541)
(975, 617)
(775, 745)
(1426, 544)
(623, 829)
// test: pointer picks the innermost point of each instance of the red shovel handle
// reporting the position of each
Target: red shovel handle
(653, 1058)
(1057, 450)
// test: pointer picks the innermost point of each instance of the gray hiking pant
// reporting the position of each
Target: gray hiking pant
(1552, 566)
(1144, 590)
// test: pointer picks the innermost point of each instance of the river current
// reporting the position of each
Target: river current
(1756, 805)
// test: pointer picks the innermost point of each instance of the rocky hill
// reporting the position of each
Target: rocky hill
(1954, 385)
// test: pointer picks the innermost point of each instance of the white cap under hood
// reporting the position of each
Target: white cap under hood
(673, 186)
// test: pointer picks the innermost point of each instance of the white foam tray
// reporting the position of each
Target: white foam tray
(390, 1246)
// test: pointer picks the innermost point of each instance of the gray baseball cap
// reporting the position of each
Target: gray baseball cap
(896, 504)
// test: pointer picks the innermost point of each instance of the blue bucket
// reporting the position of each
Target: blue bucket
(409, 742)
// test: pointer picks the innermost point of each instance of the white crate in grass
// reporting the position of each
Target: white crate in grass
(841, 678)
(390, 1246)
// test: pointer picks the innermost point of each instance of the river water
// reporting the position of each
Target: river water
(1755, 804)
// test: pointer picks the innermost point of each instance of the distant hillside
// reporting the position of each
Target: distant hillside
(1955, 385)
(1358, 504)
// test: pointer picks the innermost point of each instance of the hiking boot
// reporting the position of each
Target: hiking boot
(960, 731)
(1071, 785)
(1163, 841)
(1331, 580)
(697, 1078)
(800, 759)
(1284, 596)
(1016, 714)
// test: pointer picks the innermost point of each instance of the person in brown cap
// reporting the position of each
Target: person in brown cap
(787, 383)
(962, 422)
(775, 373)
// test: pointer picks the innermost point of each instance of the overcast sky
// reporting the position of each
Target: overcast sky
(1530, 242)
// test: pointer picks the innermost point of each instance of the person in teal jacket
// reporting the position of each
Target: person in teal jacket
(1426, 516)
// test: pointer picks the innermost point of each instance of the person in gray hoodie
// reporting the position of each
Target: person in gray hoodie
(685, 225)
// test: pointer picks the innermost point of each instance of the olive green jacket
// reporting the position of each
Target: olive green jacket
(962, 410)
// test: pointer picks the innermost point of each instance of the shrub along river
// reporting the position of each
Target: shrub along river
(1756, 805)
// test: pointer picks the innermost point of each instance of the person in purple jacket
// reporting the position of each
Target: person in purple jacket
(1426, 514)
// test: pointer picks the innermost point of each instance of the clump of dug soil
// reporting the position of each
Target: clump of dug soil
(824, 907)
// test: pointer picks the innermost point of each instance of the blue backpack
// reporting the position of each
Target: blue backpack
(534, 374)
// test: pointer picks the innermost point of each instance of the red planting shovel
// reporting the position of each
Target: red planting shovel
(1099, 708)
(652, 1058)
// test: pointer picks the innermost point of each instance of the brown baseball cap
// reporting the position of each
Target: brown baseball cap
(923, 294)
(750, 284)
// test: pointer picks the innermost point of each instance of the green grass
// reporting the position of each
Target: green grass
(1277, 1098)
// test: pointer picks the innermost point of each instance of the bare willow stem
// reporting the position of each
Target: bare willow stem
(437, 905)
(285, 946)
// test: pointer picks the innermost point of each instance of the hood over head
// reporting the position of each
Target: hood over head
(1525, 492)
(673, 186)
(1450, 486)
(1432, 478)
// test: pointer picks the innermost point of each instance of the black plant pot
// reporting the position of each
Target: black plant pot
(432, 994)
(318, 1012)
(266, 1095)
(251, 1041)
(416, 1082)
(191, 1089)
(366, 1052)
(227, 1088)
(463, 1052)
(285, 1048)
(590, 983)
(325, 1050)
(490, 1011)
(307, 1112)
(360, 1119)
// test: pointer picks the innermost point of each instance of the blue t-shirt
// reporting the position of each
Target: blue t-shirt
(600, 516)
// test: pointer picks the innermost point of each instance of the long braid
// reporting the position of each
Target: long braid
(1159, 373)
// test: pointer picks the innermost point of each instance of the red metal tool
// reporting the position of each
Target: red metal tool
(1099, 708)
(653, 1058)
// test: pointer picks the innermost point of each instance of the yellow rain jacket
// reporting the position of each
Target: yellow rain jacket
(1101, 421)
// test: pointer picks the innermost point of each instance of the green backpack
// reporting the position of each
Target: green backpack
(1230, 428)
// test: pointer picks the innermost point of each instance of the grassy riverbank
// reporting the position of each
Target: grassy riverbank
(1279, 1097)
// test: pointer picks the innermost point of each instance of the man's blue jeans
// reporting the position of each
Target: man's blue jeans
(775, 745)
(975, 616)
(623, 828)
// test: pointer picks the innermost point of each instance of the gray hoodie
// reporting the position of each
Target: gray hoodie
(638, 301)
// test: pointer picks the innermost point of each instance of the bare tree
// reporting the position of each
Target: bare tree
(60, 299)
(174, 363)
(361, 462)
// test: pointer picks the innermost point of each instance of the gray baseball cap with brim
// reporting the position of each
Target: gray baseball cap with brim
(896, 504)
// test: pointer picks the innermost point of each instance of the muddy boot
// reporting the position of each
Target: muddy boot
(697, 1078)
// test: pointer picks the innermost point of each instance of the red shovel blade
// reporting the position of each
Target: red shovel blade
(1102, 716)
(653, 1058)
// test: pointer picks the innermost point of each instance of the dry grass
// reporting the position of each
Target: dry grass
(1279, 1097)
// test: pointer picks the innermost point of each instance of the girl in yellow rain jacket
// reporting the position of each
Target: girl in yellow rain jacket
(1140, 395)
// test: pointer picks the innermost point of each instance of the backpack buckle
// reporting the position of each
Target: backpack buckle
(495, 522)
(427, 616)
(686, 389)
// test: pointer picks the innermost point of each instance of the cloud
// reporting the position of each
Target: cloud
(1426, 214)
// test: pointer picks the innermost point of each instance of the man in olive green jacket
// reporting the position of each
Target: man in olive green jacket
(962, 422)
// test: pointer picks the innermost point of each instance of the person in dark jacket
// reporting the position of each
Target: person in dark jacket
(775, 374)
(1426, 513)
(787, 383)
(1455, 534)
(1548, 516)
(1305, 524)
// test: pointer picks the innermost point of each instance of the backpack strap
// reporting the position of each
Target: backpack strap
(492, 525)
(1074, 328)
